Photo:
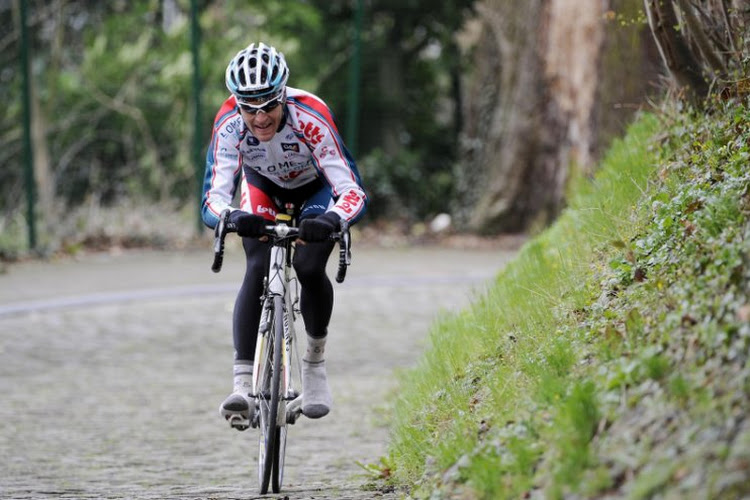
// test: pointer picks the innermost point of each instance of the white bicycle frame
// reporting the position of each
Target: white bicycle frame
(280, 281)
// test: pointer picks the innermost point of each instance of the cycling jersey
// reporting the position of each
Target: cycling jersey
(307, 147)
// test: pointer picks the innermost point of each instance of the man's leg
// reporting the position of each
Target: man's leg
(316, 303)
(247, 310)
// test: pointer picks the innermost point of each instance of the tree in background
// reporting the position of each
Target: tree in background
(552, 81)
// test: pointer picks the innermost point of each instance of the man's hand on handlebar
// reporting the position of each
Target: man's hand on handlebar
(332, 228)
(246, 224)
(319, 228)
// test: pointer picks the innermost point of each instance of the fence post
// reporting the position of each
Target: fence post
(28, 153)
(352, 129)
(197, 115)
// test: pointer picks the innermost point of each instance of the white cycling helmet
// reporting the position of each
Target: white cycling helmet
(257, 71)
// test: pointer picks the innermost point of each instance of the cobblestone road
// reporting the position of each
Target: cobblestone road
(112, 369)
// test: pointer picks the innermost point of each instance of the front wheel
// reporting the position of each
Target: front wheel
(291, 385)
(269, 382)
(279, 445)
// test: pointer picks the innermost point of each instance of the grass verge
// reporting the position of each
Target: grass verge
(610, 357)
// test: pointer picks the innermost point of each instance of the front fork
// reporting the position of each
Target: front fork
(292, 404)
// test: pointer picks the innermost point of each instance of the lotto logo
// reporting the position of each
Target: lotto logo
(312, 133)
(350, 201)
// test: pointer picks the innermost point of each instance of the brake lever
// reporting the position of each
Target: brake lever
(220, 233)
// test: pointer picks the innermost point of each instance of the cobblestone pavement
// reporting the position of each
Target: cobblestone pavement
(112, 368)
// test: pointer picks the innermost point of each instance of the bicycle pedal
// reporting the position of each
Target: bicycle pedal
(294, 410)
(238, 422)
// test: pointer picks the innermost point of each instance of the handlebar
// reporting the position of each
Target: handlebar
(279, 232)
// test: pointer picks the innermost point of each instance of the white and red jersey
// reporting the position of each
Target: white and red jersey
(307, 147)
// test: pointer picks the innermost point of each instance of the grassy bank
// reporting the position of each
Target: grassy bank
(611, 357)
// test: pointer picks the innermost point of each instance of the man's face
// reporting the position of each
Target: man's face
(262, 117)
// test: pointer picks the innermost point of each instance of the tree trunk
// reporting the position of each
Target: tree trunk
(501, 108)
(529, 110)
(553, 81)
(43, 177)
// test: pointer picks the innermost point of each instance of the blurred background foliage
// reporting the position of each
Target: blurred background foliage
(483, 109)
(112, 99)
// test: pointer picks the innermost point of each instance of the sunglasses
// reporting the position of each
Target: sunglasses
(266, 107)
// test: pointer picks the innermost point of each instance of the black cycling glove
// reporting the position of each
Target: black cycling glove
(247, 225)
(320, 228)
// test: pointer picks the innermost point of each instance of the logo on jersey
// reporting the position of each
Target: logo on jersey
(351, 202)
(260, 209)
(290, 146)
(311, 132)
(252, 141)
(326, 151)
(260, 155)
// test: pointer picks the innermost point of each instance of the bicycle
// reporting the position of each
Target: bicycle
(277, 369)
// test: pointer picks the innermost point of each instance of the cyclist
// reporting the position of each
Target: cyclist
(279, 145)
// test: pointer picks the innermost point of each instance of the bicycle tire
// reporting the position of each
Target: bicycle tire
(277, 477)
(288, 383)
(269, 399)
(276, 396)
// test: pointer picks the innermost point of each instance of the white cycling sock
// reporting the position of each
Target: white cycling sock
(243, 376)
(316, 349)
(316, 394)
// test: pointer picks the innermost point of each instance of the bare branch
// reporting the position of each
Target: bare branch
(715, 63)
(728, 26)
(673, 48)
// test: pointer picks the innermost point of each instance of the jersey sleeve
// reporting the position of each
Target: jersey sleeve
(316, 127)
(222, 173)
